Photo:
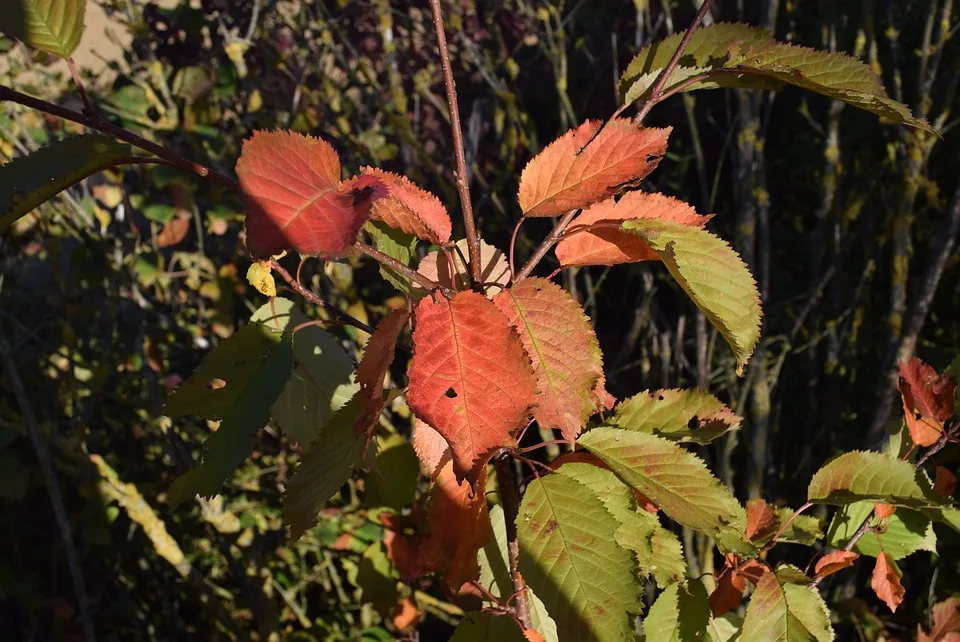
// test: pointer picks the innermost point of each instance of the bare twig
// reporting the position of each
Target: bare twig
(405, 270)
(510, 499)
(316, 300)
(473, 241)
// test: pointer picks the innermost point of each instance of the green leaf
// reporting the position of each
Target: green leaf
(396, 244)
(905, 532)
(27, 181)
(570, 559)
(871, 476)
(321, 382)
(677, 481)
(377, 579)
(725, 628)
(679, 415)
(235, 383)
(495, 576)
(487, 627)
(786, 612)
(713, 275)
(680, 614)
(54, 26)
(803, 529)
(393, 481)
(324, 469)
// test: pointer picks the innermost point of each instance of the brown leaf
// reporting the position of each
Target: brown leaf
(405, 614)
(761, 520)
(945, 482)
(886, 581)
(834, 561)
(493, 267)
(533, 636)
(174, 231)
(946, 622)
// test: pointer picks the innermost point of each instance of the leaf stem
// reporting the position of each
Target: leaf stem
(298, 287)
(510, 499)
(473, 241)
(405, 270)
(98, 124)
(783, 526)
(656, 93)
(87, 105)
(545, 246)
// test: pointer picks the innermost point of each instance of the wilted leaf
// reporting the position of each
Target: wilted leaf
(493, 267)
(612, 246)
(863, 475)
(588, 164)
(487, 627)
(295, 198)
(431, 448)
(786, 611)
(27, 181)
(377, 357)
(834, 561)
(409, 208)
(469, 377)
(886, 581)
(928, 400)
(679, 415)
(903, 534)
(54, 26)
(559, 339)
(235, 383)
(680, 614)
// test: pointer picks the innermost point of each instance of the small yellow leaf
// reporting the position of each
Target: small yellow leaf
(261, 279)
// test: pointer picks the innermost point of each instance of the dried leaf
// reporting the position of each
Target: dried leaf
(946, 622)
(886, 581)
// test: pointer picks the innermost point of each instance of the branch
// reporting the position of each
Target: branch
(473, 241)
(656, 93)
(98, 124)
(405, 270)
(316, 300)
(548, 243)
(510, 499)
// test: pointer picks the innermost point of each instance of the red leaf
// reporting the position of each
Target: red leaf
(410, 208)
(606, 246)
(295, 199)
(432, 449)
(834, 561)
(405, 614)
(560, 342)
(886, 581)
(377, 357)
(761, 520)
(946, 622)
(945, 482)
(928, 400)
(584, 166)
(469, 377)
(728, 594)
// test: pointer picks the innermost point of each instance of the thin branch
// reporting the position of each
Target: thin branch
(78, 82)
(548, 243)
(405, 270)
(656, 93)
(473, 241)
(316, 300)
(510, 499)
(8, 94)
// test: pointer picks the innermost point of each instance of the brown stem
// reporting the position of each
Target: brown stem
(473, 241)
(8, 94)
(316, 300)
(87, 105)
(548, 243)
(405, 270)
(656, 93)
(510, 500)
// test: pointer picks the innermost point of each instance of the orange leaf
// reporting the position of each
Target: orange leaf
(761, 520)
(174, 231)
(607, 246)
(584, 457)
(405, 614)
(886, 581)
(469, 377)
(928, 400)
(884, 510)
(295, 199)
(430, 446)
(533, 636)
(377, 357)
(728, 594)
(409, 208)
(588, 164)
(945, 482)
(560, 342)
(752, 570)
(946, 622)
(834, 561)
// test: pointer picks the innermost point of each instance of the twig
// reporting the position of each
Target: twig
(510, 499)
(87, 105)
(548, 243)
(513, 246)
(316, 300)
(473, 241)
(8, 94)
(656, 93)
(53, 488)
(405, 270)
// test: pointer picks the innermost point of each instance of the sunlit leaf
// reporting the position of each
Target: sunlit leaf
(54, 26)
(928, 400)
(436, 266)
(834, 561)
(679, 415)
(904, 533)
(784, 611)
(863, 475)
(886, 581)
(946, 621)
(409, 208)
(431, 448)
(680, 614)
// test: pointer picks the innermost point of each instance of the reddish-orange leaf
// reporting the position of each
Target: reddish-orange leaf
(560, 341)
(377, 357)
(588, 164)
(761, 520)
(430, 446)
(405, 614)
(533, 636)
(410, 208)
(582, 245)
(945, 482)
(928, 400)
(752, 570)
(469, 377)
(886, 581)
(728, 594)
(295, 199)
(584, 457)
(884, 510)
(834, 561)
(946, 623)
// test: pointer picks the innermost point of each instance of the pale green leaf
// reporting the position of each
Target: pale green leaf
(322, 375)
(393, 480)
(905, 532)
(680, 614)
(876, 477)
(786, 612)
(725, 628)
(54, 26)
(395, 244)
(487, 627)
(235, 383)
(713, 275)
(674, 479)
(27, 181)
(495, 576)
(679, 415)
(570, 559)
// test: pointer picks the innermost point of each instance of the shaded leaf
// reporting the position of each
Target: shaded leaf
(802, 529)
(886, 581)
(569, 558)
(903, 534)
(612, 246)
(945, 482)
(729, 592)
(54, 26)
(788, 612)
(396, 244)
(376, 580)
(235, 383)
(724, 628)
(27, 181)
(864, 475)
(559, 339)
(409, 208)
(679, 415)
(295, 198)
(676, 480)
(928, 400)
(378, 354)
(469, 377)
(436, 266)
(431, 448)
(588, 164)
(834, 561)
(680, 614)
(393, 480)
(487, 627)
